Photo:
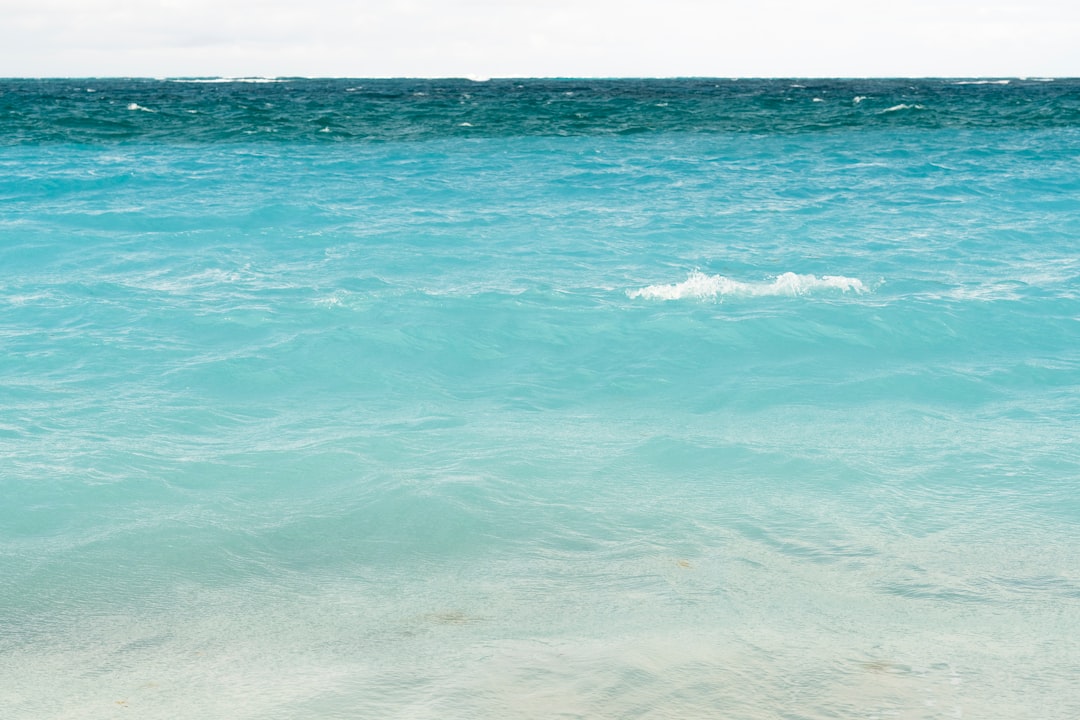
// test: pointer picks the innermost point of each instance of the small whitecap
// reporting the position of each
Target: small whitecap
(137, 106)
(325, 130)
(465, 124)
(858, 99)
(819, 99)
(702, 286)
(257, 80)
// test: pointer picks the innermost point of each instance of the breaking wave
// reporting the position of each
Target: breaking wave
(700, 285)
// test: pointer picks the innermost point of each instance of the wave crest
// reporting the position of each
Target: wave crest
(700, 285)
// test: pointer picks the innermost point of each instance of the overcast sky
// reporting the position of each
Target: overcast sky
(539, 38)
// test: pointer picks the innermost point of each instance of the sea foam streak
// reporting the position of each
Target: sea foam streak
(700, 285)
(253, 79)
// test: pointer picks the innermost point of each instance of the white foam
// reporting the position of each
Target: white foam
(229, 80)
(858, 99)
(982, 82)
(902, 106)
(700, 285)
(137, 106)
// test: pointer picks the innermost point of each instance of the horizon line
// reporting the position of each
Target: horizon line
(486, 78)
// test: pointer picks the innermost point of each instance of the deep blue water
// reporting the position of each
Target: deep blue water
(532, 399)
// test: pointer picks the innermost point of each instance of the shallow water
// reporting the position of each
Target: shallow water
(627, 399)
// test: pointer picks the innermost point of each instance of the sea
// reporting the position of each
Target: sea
(498, 399)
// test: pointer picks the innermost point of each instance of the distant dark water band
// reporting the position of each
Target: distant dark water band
(335, 110)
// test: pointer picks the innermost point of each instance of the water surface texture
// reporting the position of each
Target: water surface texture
(534, 399)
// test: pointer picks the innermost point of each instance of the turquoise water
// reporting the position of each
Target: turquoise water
(534, 399)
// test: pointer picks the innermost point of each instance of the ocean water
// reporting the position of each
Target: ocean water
(536, 399)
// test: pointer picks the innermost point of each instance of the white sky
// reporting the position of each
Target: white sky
(539, 38)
